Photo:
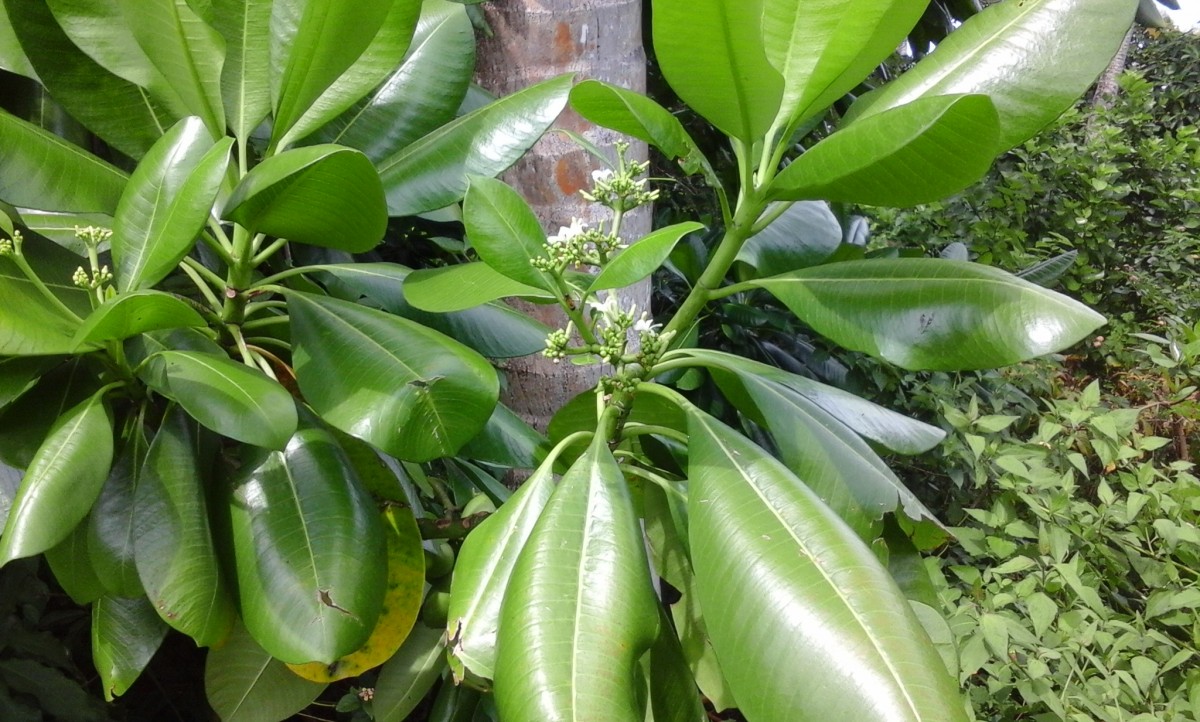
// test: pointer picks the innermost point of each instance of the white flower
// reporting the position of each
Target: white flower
(645, 325)
(566, 233)
(602, 175)
(607, 308)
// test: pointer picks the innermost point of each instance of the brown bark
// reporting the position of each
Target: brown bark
(534, 40)
(1106, 86)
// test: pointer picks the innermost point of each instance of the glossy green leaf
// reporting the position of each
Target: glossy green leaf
(62, 482)
(780, 577)
(114, 522)
(60, 227)
(100, 30)
(245, 76)
(244, 683)
(643, 257)
(636, 115)
(711, 53)
(40, 170)
(432, 172)
(72, 567)
(824, 49)
(924, 313)
(12, 57)
(129, 314)
(504, 231)
(882, 426)
(375, 64)
(506, 440)
(230, 398)
(493, 329)
(421, 95)
(118, 111)
(32, 326)
(166, 203)
(825, 454)
(1032, 58)
(18, 375)
(25, 423)
(672, 690)
(125, 635)
(463, 286)
(579, 611)
(408, 390)
(409, 675)
(175, 553)
(312, 43)
(484, 571)
(310, 551)
(324, 195)
(186, 51)
(916, 153)
(804, 235)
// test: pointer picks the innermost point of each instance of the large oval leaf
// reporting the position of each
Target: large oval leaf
(484, 570)
(432, 172)
(780, 577)
(324, 195)
(99, 29)
(32, 326)
(310, 551)
(174, 551)
(711, 53)
(408, 390)
(186, 51)
(40, 170)
(26, 422)
(409, 675)
(166, 203)
(504, 231)
(125, 635)
(804, 235)
(111, 107)
(312, 43)
(230, 398)
(245, 76)
(244, 683)
(379, 59)
(925, 313)
(642, 258)
(463, 286)
(72, 567)
(1032, 58)
(916, 153)
(114, 522)
(129, 314)
(421, 95)
(579, 611)
(62, 482)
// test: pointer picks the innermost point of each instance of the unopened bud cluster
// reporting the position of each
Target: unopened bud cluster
(93, 236)
(94, 280)
(577, 245)
(622, 189)
(11, 246)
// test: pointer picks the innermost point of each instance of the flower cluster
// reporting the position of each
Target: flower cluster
(93, 236)
(93, 281)
(11, 246)
(621, 189)
(577, 245)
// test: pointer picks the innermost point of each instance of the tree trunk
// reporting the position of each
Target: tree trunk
(1106, 86)
(534, 40)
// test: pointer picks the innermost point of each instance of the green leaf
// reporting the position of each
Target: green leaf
(60, 227)
(62, 482)
(57, 696)
(230, 398)
(780, 577)
(493, 329)
(72, 567)
(825, 49)
(484, 571)
(410, 391)
(32, 326)
(673, 694)
(129, 314)
(186, 50)
(579, 611)
(463, 286)
(312, 43)
(40, 170)
(18, 375)
(324, 195)
(916, 153)
(504, 231)
(125, 635)
(100, 30)
(422, 94)
(374, 66)
(409, 675)
(175, 554)
(244, 683)
(310, 551)
(636, 115)
(806, 234)
(1032, 58)
(432, 172)
(118, 111)
(114, 522)
(924, 313)
(880, 425)
(26, 422)
(12, 58)
(506, 440)
(642, 258)
(711, 53)
(166, 204)
(245, 76)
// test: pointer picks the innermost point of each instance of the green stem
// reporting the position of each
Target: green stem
(41, 287)
(203, 287)
(655, 479)
(772, 214)
(636, 429)
(269, 251)
(241, 271)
